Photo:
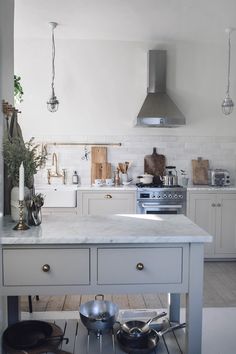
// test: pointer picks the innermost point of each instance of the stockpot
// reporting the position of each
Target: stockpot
(98, 315)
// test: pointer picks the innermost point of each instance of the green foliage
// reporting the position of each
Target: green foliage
(18, 90)
(15, 152)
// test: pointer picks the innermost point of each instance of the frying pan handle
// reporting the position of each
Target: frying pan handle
(99, 295)
(169, 329)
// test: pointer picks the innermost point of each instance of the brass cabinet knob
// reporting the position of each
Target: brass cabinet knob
(218, 205)
(108, 196)
(46, 268)
(139, 266)
(213, 204)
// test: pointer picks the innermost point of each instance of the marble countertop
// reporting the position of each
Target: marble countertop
(48, 187)
(129, 228)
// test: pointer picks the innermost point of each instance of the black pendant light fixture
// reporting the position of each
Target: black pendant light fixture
(228, 104)
(53, 103)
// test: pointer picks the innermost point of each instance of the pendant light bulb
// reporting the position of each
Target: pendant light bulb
(228, 104)
(53, 103)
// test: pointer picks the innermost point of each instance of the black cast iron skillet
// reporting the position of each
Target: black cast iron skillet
(144, 345)
(30, 334)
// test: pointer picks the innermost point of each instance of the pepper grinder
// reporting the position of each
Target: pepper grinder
(117, 177)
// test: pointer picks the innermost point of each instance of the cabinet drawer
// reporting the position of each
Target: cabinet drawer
(161, 265)
(67, 267)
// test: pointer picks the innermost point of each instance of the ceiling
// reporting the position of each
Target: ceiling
(131, 20)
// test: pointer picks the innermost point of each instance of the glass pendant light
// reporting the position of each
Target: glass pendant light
(228, 104)
(53, 102)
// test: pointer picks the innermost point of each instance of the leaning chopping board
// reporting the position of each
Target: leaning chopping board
(100, 168)
(200, 171)
(154, 164)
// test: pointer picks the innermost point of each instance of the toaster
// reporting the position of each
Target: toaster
(219, 177)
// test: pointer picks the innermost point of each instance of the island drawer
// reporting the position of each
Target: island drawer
(46, 267)
(158, 265)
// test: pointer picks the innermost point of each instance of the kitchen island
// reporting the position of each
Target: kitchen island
(108, 254)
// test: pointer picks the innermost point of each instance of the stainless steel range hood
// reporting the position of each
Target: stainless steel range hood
(158, 110)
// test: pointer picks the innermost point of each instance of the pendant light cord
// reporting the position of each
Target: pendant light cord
(229, 55)
(53, 59)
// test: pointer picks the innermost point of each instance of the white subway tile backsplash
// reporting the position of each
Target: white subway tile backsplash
(179, 151)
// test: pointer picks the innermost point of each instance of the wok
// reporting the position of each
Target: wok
(144, 345)
(99, 315)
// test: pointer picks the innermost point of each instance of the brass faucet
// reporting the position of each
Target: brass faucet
(56, 173)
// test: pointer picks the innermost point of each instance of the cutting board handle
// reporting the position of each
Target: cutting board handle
(154, 151)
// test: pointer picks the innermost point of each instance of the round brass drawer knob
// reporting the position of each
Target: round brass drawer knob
(46, 268)
(140, 266)
(108, 196)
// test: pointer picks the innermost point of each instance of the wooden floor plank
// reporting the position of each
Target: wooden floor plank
(136, 301)
(219, 291)
(55, 303)
(72, 303)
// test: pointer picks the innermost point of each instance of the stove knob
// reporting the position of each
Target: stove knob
(175, 196)
(164, 196)
(153, 195)
(181, 196)
(170, 196)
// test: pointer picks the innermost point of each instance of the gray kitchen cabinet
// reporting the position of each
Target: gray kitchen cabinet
(215, 212)
(106, 202)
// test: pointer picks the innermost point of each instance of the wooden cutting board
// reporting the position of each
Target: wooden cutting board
(154, 164)
(99, 166)
(98, 154)
(200, 171)
(100, 170)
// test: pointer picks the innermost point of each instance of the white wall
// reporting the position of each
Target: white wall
(102, 84)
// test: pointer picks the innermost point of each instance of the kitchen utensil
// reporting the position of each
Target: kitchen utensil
(98, 154)
(109, 182)
(154, 164)
(170, 179)
(200, 171)
(144, 345)
(30, 334)
(139, 328)
(100, 168)
(145, 179)
(99, 315)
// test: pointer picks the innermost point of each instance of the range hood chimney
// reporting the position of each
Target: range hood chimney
(158, 110)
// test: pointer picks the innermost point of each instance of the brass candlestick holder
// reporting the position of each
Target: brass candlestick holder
(21, 224)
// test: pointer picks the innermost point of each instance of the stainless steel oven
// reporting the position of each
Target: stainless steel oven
(161, 200)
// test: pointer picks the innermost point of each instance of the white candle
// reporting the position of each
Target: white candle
(21, 182)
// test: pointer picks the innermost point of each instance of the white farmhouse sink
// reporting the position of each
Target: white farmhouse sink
(58, 196)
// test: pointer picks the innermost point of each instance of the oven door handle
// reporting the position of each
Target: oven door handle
(161, 206)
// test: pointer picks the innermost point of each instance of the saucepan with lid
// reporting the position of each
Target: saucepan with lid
(146, 178)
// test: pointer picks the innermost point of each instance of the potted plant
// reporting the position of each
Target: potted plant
(16, 151)
(18, 89)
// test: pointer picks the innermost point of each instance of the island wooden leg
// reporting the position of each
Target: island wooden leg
(13, 309)
(195, 300)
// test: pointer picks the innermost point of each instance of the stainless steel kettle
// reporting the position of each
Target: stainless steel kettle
(170, 179)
